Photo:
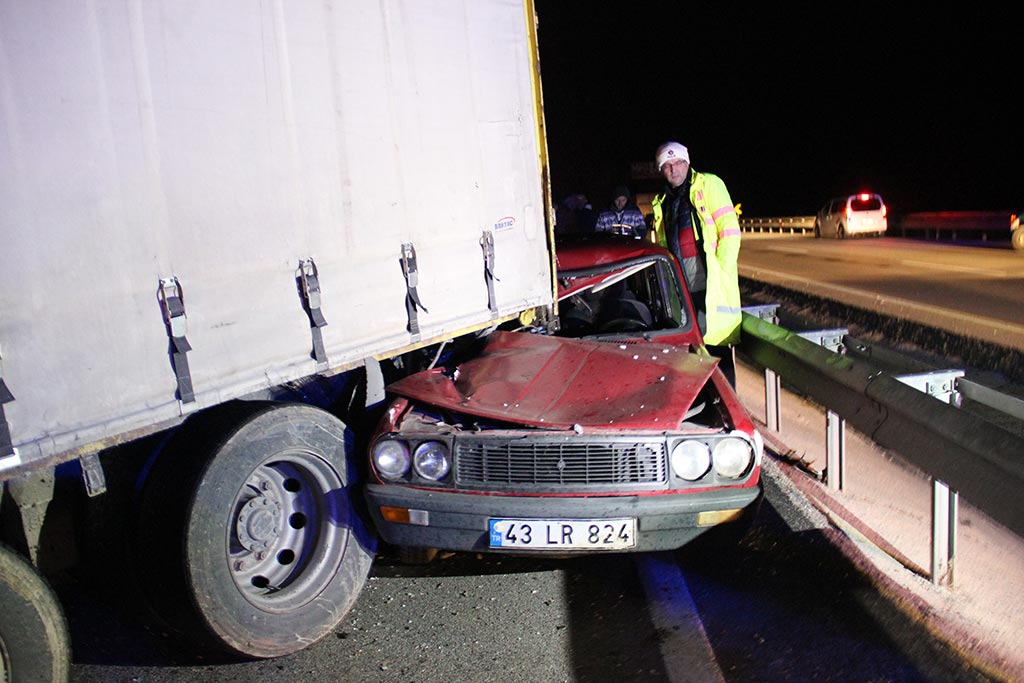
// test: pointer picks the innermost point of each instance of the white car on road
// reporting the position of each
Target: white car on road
(857, 214)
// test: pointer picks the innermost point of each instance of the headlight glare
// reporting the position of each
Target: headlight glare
(732, 457)
(391, 458)
(431, 460)
(690, 459)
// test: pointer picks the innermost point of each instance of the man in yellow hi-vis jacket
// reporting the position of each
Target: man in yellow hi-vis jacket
(696, 220)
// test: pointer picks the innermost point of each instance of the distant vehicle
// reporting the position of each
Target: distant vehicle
(857, 214)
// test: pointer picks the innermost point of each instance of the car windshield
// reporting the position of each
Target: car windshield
(630, 297)
(872, 203)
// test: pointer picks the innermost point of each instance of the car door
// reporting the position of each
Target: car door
(839, 216)
(828, 219)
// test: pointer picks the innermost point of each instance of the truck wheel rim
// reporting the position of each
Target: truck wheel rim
(285, 519)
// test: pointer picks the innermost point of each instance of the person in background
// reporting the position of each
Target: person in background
(623, 217)
(586, 218)
(696, 220)
(574, 216)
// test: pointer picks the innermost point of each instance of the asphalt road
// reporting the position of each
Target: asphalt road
(783, 605)
(970, 290)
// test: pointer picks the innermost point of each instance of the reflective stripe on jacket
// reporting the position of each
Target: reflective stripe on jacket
(720, 232)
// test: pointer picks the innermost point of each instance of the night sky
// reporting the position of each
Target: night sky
(790, 103)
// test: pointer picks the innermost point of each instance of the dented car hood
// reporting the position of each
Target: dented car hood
(559, 383)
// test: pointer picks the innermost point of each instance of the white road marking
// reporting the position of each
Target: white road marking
(685, 648)
(943, 267)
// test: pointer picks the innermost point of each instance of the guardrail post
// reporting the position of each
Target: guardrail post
(835, 451)
(772, 405)
(961, 449)
(945, 505)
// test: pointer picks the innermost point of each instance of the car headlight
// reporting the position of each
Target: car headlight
(690, 459)
(431, 460)
(391, 458)
(732, 457)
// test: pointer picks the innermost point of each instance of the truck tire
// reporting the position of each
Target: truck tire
(251, 521)
(1017, 238)
(34, 642)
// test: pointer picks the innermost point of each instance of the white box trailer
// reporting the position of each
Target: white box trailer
(202, 201)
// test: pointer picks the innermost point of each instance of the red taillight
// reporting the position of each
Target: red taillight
(864, 196)
(885, 210)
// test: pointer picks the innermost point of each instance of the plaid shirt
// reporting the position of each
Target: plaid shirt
(629, 221)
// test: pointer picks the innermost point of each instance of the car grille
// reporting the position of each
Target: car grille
(559, 464)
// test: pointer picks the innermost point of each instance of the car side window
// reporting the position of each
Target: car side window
(677, 311)
(649, 299)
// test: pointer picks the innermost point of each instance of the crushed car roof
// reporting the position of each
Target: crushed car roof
(595, 251)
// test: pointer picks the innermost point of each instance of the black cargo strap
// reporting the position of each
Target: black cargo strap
(173, 303)
(412, 299)
(487, 244)
(308, 276)
(6, 445)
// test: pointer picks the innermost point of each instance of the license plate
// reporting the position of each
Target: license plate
(563, 534)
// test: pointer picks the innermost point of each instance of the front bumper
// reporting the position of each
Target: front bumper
(460, 521)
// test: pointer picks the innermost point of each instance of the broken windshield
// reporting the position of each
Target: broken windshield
(631, 297)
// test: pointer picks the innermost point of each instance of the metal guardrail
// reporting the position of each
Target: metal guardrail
(955, 223)
(779, 224)
(998, 225)
(975, 458)
(945, 384)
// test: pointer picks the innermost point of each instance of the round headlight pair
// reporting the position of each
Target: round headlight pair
(732, 457)
(391, 458)
(430, 459)
(692, 459)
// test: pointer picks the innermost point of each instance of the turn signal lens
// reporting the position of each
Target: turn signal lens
(431, 460)
(391, 458)
(690, 459)
(712, 517)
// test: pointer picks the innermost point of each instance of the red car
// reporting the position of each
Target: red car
(617, 434)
